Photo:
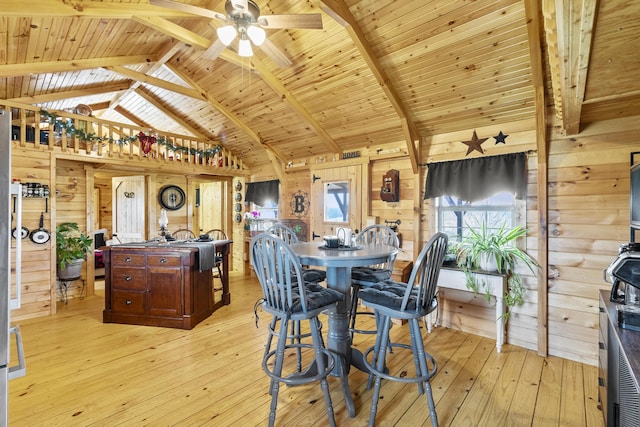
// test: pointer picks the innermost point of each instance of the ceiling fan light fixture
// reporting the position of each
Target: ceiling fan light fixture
(244, 47)
(226, 34)
(256, 34)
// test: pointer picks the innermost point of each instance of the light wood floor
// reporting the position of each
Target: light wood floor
(81, 372)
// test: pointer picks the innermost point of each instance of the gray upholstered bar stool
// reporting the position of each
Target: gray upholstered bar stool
(409, 301)
(376, 234)
(289, 299)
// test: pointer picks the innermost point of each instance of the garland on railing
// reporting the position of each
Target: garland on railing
(146, 141)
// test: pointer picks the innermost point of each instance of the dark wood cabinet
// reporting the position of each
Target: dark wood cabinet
(618, 368)
(156, 286)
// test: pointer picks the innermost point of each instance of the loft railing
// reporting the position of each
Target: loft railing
(89, 136)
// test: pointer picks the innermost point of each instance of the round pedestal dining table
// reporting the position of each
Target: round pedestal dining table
(338, 263)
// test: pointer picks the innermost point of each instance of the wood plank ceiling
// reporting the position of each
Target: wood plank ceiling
(379, 72)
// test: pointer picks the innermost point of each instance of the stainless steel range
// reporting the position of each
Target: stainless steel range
(624, 275)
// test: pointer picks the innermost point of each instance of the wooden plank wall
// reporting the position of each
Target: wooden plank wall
(588, 220)
(38, 260)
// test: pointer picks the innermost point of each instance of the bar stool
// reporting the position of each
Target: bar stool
(409, 301)
(376, 234)
(289, 299)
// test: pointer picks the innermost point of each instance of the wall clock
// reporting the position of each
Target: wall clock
(171, 197)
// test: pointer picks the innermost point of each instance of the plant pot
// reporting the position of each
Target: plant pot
(487, 262)
(72, 270)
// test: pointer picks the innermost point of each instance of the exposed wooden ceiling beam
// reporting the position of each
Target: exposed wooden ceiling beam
(285, 95)
(192, 38)
(129, 115)
(575, 21)
(341, 13)
(99, 106)
(143, 78)
(56, 96)
(87, 9)
(9, 70)
(149, 69)
(153, 100)
(174, 30)
(276, 160)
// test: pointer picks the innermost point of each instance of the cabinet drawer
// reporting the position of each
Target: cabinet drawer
(127, 259)
(127, 302)
(128, 278)
(163, 260)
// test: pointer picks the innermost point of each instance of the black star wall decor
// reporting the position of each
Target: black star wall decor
(474, 144)
(500, 138)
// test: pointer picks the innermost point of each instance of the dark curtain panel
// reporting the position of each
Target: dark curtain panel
(260, 192)
(476, 179)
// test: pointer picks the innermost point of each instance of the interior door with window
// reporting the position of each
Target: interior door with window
(129, 208)
(336, 199)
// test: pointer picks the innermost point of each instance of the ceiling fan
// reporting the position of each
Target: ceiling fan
(244, 22)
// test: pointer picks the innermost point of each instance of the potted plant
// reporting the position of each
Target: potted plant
(495, 251)
(72, 248)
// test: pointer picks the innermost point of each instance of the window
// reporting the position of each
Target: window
(493, 189)
(336, 202)
(269, 209)
(454, 216)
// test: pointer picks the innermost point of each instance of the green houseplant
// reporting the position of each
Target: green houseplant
(495, 251)
(72, 247)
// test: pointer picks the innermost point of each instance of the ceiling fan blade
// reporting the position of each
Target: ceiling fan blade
(312, 21)
(182, 7)
(275, 54)
(214, 50)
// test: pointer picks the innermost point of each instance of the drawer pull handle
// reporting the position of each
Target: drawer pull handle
(601, 345)
(127, 278)
(163, 260)
(128, 302)
(127, 259)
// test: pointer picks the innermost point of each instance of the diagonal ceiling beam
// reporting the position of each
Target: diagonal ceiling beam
(153, 100)
(276, 160)
(285, 95)
(87, 9)
(174, 30)
(190, 37)
(56, 96)
(143, 78)
(10, 70)
(149, 69)
(339, 11)
(129, 115)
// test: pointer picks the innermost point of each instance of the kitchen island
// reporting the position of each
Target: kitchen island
(163, 284)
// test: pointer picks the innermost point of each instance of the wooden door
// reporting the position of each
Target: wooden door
(212, 206)
(129, 208)
(341, 187)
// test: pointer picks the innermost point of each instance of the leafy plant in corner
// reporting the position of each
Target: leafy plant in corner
(71, 244)
(495, 250)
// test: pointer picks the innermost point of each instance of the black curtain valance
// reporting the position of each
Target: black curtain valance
(472, 180)
(260, 192)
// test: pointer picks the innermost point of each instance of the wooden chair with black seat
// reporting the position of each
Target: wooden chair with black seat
(409, 301)
(217, 234)
(376, 234)
(183, 234)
